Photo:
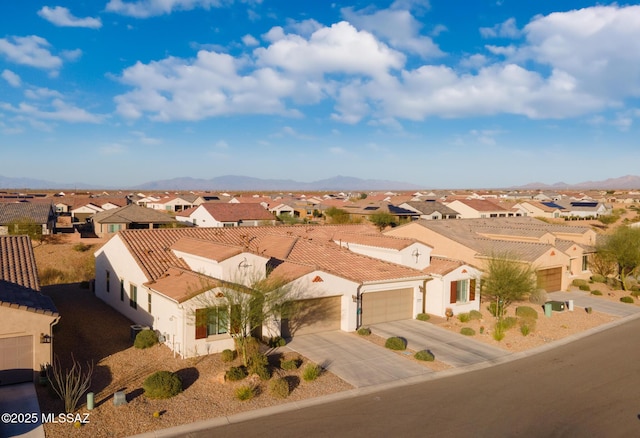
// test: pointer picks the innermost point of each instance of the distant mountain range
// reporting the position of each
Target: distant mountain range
(338, 183)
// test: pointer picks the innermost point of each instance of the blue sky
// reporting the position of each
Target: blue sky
(438, 93)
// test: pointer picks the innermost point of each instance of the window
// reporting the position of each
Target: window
(149, 302)
(212, 321)
(121, 290)
(133, 296)
(113, 228)
(585, 263)
(463, 291)
(108, 275)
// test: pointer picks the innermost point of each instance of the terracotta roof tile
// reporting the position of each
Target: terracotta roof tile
(228, 212)
(182, 284)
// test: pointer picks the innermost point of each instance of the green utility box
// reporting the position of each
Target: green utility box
(557, 306)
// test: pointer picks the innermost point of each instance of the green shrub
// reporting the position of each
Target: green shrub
(596, 292)
(236, 373)
(228, 355)
(627, 299)
(526, 312)
(635, 293)
(527, 325)
(81, 247)
(259, 364)
(597, 278)
(539, 296)
(145, 339)
(467, 331)
(584, 287)
(162, 384)
(245, 392)
(475, 315)
(425, 355)
(578, 282)
(279, 387)
(395, 343)
(492, 309)
(464, 317)
(251, 346)
(423, 317)
(364, 331)
(498, 332)
(277, 341)
(311, 372)
(290, 364)
(507, 323)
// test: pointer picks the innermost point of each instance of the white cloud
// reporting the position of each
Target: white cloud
(474, 61)
(249, 40)
(30, 50)
(144, 139)
(12, 78)
(57, 110)
(61, 16)
(41, 93)
(113, 149)
(152, 8)
(71, 55)
(397, 26)
(507, 29)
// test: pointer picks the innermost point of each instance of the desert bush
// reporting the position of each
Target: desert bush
(145, 339)
(162, 384)
(81, 247)
(311, 372)
(276, 341)
(395, 343)
(578, 282)
(49, 276)
(508, 322)
(584, 287)
(259, 364)
(475, 315)
(627, 299)
(498, 332)
(290, 364)
(236, 373)
(526, 312)
(467, 331)
(279, 387)
(423, 317)
(539, 296)
(597, 278)
(245, 392)
(425, 355)
(228, 355)
(596, 292)
(464, 317)
(527, 325)
(364, 331)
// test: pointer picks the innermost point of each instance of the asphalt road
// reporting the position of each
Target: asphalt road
(588, 388)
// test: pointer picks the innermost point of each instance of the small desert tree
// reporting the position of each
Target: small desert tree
(70, 383)
(506, 280)
(26, 226)
(382, 219)
(623, 246)
(337, 215)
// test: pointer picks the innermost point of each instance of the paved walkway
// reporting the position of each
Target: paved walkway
(20, 399)
(357, 361)
(449, 347)
(584, 299)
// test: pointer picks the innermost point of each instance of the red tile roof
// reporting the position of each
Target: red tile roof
(227, 212)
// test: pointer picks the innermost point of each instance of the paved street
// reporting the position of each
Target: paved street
(449, 347)
(356, 360)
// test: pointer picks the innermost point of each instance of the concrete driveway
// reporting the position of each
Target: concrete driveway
(452, 348)
(584, 299)
(356, 361)
(20, 399)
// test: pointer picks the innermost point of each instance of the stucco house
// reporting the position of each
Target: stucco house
(41, 213)
(128, 217)
(218, 214)
(479, 208)
(26, 316)
(431, 210)
(339, 280)
(558, 253)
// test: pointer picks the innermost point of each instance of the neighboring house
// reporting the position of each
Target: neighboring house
(283, 209)
(26, 316)
(558, 253)
(164, 279)
(364, 211)
(42, 214)
(431, 210)
(216, 214)
(547, 209)
(129, 217)
(585, 209)
(176, 203)
(479, 208)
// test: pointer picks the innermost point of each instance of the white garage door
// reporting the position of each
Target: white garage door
(390, 305)
(16, 360)
(312, 316)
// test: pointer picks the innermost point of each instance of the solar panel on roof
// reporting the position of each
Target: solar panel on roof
(552, 205)
(584, 204)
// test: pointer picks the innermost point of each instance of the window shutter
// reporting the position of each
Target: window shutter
(472, 289)
(454, 292)
(201, 323)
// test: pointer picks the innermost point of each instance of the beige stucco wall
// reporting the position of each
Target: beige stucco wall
(18, 322)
